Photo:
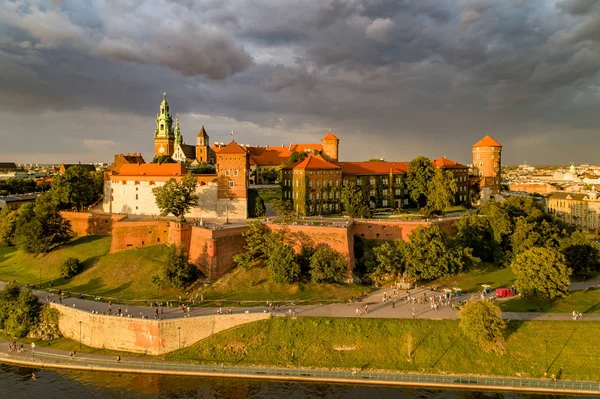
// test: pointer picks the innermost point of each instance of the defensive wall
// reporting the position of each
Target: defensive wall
(338, 238)
(212, 249)
(87, 223)
(153, 337)
(533, 188)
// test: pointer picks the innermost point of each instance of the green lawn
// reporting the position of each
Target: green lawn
(455, 208)
(125, 275)
(472, 280)
(25, 268)
(268, 194)
(585, 301)
(254, 284)
(382, 344)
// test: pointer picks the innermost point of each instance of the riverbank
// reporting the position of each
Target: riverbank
(43, 359)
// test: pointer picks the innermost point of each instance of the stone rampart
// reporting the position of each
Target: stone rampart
(87, 223)
(213, 250)
(393, 230)
(131, 235)
(154, 337)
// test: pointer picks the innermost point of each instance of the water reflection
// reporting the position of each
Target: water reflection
(17, 383)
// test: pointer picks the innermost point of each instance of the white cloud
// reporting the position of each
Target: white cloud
(379, 29)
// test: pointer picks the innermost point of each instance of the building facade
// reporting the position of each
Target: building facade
(580, 210)
(460, 173)
(487, 164)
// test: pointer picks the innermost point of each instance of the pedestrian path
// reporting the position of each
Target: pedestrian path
(396, 307)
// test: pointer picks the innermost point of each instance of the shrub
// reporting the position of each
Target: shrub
(482, 323)
(328, 266)
(70, 268)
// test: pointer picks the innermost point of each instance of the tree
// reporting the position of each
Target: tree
(40, 226)
(420, 173)
(352, 200)
(255, 245)
(581, 254)
(295, 157)
(376, 160)
(177, 272)
(269, 176)
(76, 188)
(441, 191)
(8, 224)
(475, 232)
(390, 258)
(256, 205)
(328, 266)
(281, 260)
(70, 268)
(283, 208)
(482, 323)
(19, 311)
(163, 159)
(542, 272)
(431, 253)
(203, 169)
(177, 197)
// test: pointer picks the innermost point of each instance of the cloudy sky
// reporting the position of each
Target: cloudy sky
(82, 80)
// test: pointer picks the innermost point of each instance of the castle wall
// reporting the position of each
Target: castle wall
(339, 239)
(213, 250)
(393, 230)
(86, 223)
(153, 337)
(130, 235)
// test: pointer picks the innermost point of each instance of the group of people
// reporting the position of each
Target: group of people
(577, 315)
(14, 347)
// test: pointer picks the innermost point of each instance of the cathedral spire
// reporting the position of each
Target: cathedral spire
(178, 135)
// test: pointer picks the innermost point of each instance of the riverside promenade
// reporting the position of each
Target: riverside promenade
(395, 308)
(57, 359)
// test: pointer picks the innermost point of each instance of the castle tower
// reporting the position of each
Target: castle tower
(202, 146)
(164, 136)
(233, 172)
(178, 135)
(330, 145)
(487, 163)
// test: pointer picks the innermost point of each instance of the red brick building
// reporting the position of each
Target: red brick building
(487, 163)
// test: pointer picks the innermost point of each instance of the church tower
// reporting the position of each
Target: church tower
(487, 163)
(164, 136)
(202, 146)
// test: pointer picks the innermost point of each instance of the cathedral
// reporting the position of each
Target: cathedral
(168, 140)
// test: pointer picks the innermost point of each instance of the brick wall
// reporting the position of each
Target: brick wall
(154, 337)
(390, 230)
(130, 235)
(213, 250)
(339, 239)
(86, 223)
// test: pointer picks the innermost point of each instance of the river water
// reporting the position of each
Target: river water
(17, 383)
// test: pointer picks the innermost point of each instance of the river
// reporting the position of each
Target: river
(17, 383)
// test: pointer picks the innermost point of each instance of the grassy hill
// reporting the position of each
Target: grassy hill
(126, 274)
(437, 346)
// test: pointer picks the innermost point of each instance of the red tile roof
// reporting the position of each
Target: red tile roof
(152, 169)
(487, 141)
(330, 136)
(446, 163)
(373, 168)
(314, 162)
(232, 148)
(305, 147)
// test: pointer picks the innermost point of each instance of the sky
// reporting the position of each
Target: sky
(82, 80)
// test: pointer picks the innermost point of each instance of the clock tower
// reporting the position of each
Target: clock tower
(164, 135)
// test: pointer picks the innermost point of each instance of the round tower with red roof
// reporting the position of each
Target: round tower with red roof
(330, 145)
(487, 163)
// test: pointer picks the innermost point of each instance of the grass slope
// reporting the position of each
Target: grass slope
(25, 268)
(126, 274)
(382, 344)
(254, 284)
(585, 301)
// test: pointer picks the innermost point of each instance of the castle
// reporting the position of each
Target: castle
(313, 185)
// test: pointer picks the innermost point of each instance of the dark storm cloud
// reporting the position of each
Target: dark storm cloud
(412, 76)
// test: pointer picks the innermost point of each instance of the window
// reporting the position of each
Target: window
(317, 183)
(477, 156)
(385, 181)
(359, 182)
(481, 164)
(310, 183)
(227, 172)
(330, 182)
(235, 172)
(337, 183)
(372, 193)
(372, 181)
(337, 195)
(384, 202)
(397, 192)
(231, 184)
(136, 196)
(310, 196)
(317, 196)
(385, 191)
(324, 183)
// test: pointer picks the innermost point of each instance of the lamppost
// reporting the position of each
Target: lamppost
(546, 342)
(79, 335)
(179, 330)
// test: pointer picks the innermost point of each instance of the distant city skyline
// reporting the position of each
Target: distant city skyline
(82, 81)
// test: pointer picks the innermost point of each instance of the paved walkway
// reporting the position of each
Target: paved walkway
(396, 307)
